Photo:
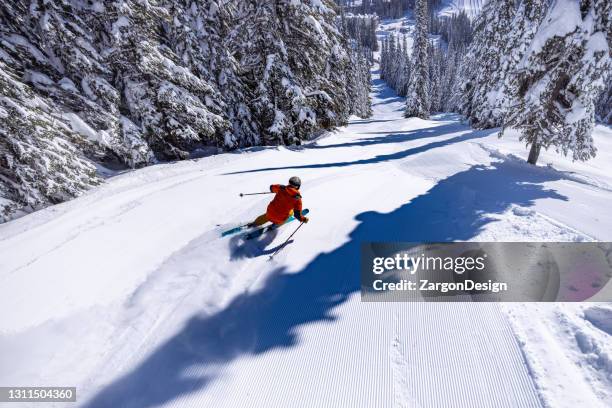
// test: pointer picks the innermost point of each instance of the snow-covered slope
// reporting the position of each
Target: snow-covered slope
(129, 293)
(471, 7)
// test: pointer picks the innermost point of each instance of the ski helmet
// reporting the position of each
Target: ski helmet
(295, 182)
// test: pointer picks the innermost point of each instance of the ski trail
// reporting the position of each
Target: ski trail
(305, 322)
(401, 387)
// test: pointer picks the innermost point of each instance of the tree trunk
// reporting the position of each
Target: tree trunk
(534, 153)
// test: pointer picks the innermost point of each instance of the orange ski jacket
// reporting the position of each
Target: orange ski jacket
(286, 199)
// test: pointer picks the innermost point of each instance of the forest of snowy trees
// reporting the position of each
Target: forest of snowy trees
(382, 8)
(386, 8)
(90, 85)
(131, 82)
(362, 29)
(539, 66)
(439, 74)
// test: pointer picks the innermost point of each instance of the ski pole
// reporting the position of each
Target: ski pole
(287, 240)
(246, 194)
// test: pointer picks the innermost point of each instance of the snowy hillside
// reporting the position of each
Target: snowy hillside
(452, 7)
(133, 297)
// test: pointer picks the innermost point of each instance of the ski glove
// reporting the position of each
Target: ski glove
(304, 220)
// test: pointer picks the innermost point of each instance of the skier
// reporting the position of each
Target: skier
(287, 201)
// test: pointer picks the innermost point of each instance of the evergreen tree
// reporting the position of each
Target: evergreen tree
(391, 60)
(456, 29)
(417, 102)
(435, 78)
(358, 86)
(206, 41)
(398, 60)
(603, 109)
(404, 72)
(526, 21)
(40, 163)
(176, 109)
(384, 58)
(560, 77)
(128, 83)
(480, 71)
(362, 29)
(449, 81)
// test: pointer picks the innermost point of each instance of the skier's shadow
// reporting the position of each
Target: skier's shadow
(241, 248)
(255, 322)
(272, 250)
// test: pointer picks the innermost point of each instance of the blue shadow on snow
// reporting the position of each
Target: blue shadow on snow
(270, 318)
(474, 134)
(398, 136)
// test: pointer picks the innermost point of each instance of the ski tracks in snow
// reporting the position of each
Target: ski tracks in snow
(568, 353)
(402, 393)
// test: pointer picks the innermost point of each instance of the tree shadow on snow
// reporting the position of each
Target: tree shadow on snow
(474, 134)
(269, 318)
(384, 93)
(367, 121)
(399, 136)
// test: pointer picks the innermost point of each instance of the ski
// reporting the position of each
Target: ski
(262, 230)
(234, 230)
(257, 232)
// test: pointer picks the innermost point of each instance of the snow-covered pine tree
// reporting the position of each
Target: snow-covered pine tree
(480, 73)
(391, 60)
(127, 82)
(404, 71)
(372, 37)
(457, 32)
(603, 108)
(435, 78)
(560, 78)
(244, 130)
(41, 157)
(456, 29)
(449, 83)
(53, 47)
(203, 37)
(397, 63)
(358, 85)
(526, 21)
(298, 64)
(417, 98)
(362, 29)
(384, 58)
(40, 163)
(176, 109)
